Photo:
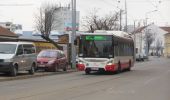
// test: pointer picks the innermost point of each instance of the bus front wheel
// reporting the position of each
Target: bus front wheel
(119, 68)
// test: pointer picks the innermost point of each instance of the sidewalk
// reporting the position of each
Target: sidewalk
(25, 75)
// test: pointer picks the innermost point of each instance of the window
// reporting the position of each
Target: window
(20, 50)
(28, 49)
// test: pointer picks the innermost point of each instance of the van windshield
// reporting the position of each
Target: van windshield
(7, 48)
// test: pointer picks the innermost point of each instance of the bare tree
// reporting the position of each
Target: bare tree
(158, 47)
(94, 22)
(46, 22)
(149, 37)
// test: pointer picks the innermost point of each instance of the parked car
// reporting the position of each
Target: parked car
(52, 60)
(140, 57)
(17, 56)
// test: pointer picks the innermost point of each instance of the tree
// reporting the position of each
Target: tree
(149, 37)
(158, 47)
(94, 22)
(46, 22)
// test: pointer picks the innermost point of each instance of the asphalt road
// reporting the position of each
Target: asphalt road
(149, 80)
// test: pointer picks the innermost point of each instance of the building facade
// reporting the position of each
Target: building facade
(6, 35)
(157, 39)
(11, 27)
(167, 41)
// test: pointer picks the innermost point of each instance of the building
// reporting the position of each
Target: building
(6, 35)
(16, 28)
(167, 41)
(64, 19)
(157, 36)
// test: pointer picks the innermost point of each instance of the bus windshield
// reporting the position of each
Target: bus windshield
(96, 46)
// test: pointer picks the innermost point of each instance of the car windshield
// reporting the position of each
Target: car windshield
(7, 48)
(96, 46)
(48, 54)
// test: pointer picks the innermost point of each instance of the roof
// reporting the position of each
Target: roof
(7, 33)
(15, 42)
(114, 33)
(32, 36)
(139, 30)
(166, 29)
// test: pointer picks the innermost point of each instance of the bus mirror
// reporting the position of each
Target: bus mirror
(75, 42)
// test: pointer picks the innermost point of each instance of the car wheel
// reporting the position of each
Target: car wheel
(14, 71)
(32, 70)
(65, 67)
(87, 71)
(55, 68)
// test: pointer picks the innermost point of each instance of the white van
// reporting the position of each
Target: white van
(17, 56)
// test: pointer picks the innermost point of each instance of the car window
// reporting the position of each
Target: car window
(28, 49)
(59, 54)
(20, 50)
(62, 54)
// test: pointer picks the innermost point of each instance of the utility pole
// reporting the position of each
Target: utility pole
(120, 17)
(126, 16)
(73, 35)
(134, 34)
(120, 20)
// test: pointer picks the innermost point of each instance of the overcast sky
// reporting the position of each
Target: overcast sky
(137, 10)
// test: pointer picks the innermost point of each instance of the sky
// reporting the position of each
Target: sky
(137, 10)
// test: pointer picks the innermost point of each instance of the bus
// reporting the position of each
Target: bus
(108, 51)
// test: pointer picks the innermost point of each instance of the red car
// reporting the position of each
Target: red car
(52, 60)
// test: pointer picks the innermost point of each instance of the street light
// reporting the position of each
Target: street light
(146, 17)
(125, 16)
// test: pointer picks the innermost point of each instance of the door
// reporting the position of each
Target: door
(19, 58)
(29, 55)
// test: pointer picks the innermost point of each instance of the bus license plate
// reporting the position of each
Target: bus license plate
(94, 68)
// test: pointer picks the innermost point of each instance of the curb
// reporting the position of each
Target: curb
(40, 74)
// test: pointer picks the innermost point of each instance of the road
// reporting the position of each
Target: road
(149, 80)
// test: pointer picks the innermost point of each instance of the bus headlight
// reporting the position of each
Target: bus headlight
(110, 62)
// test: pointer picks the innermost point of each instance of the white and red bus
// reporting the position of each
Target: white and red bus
(111, 51)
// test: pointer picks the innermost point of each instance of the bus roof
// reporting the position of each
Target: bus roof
(114, 33)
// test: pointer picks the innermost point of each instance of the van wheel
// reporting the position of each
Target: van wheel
(14, 71)
(32, 70)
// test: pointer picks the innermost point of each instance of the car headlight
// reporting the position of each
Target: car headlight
(8, 60)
